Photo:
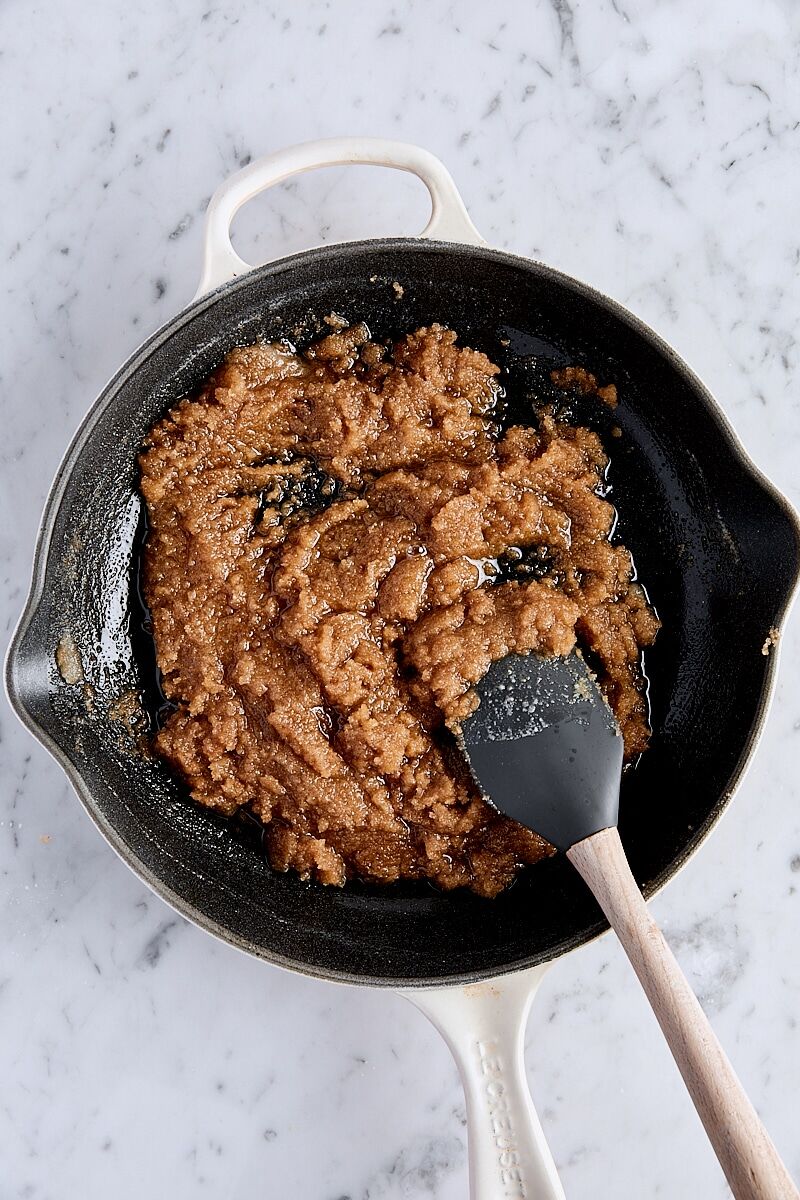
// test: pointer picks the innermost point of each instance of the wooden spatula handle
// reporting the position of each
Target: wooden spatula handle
(747, 1156)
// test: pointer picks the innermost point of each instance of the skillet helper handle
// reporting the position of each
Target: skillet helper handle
(484, 1026)
(746, 1154)
(449, 220)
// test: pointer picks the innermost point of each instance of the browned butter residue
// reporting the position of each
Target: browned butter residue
(68, 660)
(325, 530)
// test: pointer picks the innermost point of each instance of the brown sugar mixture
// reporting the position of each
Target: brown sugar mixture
(340, 543)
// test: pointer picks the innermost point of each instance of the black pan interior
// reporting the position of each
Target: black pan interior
(716, 548)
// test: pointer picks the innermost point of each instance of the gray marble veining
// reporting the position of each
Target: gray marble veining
(648, 148)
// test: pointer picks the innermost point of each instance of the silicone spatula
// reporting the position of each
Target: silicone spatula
(545, 748)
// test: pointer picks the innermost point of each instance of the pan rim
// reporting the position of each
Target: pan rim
(105, 399)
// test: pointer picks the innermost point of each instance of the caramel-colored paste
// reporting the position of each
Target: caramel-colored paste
(340, 543)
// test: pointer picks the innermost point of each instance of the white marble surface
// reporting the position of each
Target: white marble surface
(650, 148)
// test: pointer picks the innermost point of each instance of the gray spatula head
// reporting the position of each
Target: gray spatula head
(545, 748)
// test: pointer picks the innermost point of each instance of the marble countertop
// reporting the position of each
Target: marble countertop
(650, 149)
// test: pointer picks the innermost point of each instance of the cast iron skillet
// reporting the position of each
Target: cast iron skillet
(716, 545)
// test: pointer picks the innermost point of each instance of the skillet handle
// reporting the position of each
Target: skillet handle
(448, 222)
(484, 1026)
